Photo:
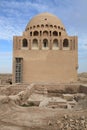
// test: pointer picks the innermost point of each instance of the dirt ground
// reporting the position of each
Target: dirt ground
(14, 115)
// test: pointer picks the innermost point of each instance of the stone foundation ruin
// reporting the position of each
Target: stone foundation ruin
(63, 96)
(43, 106)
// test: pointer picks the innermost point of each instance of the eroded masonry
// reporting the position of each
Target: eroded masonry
(45, 52)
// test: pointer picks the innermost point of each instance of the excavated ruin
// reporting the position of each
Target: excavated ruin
(43, 106)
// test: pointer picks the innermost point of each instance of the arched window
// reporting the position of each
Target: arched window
(35, 44)
(38, 26)
(42, 25)
(34, 26)
(55, 26)
(55, 33)
(25, 43)
(46, 25)
(36, 33)
(45, 33)
(55, 44)
(30, 33)
(45, 44)
(51, 26)
(65, 43)
(58, 27)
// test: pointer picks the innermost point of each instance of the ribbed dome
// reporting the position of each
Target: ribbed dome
(45, 18)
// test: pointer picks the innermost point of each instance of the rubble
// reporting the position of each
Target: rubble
(73, 123)
(43, 107)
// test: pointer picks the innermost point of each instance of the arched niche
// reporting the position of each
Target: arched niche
(55, 33)
(35, 44)
(45, 33)
(45, 44)
(36, 33)
(65, 44)
(55, 44)
(24, 43)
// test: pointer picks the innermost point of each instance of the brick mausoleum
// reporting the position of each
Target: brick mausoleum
(45, 52)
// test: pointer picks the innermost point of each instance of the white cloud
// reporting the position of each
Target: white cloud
(7, 28)
(14, 16)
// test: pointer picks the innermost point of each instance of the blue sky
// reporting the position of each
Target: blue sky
(15, 14)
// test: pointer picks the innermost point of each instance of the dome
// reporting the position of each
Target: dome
(45, 19)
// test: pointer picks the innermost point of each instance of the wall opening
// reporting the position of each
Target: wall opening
(30, 33)
(18, 70)
(50, 33)
(55, 26)
(55, 33)
(59, 33)
(46, 25)
(45, 44)
(55, 44)
(38, 26)
(45, 33)
(35, 44)
(42, 26)
(51, 26)
(65, 44)
(25, 43)
(36, 33)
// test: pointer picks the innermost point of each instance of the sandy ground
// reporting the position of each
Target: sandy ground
(16, 117)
